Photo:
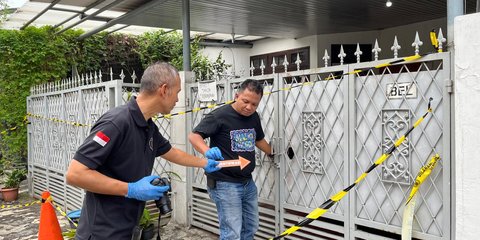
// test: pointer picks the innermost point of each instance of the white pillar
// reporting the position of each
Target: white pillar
(467, 127)
(178, 139)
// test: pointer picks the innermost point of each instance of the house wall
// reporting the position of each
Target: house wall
(238, 58)
(467, 127)
(318, 43)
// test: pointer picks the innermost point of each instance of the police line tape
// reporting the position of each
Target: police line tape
(211, 106)
(318, 212)
(59, 209)
(54, 205)
(409, 210)
(13, 206)
(24, 122)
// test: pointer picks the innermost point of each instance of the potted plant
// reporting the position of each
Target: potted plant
(11, 184)
(147, 225)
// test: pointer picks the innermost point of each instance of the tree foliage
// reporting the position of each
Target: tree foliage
(38, 55)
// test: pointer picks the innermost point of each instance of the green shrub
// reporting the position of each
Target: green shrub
(14, 178)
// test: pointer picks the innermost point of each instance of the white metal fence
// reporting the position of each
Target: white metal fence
(61, 115)
(336, 125)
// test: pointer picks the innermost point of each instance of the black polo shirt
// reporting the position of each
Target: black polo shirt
(121, 145)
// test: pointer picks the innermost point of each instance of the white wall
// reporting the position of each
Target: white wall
(467, 126)
(271, 45)
(318, 43)
(405, 36)
(239, 58)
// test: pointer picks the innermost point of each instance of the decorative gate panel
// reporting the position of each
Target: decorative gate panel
(387, 103)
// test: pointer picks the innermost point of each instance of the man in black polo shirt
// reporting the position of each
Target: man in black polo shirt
(234, 130)
(114, 163)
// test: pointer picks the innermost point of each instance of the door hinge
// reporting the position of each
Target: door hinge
(449, 85)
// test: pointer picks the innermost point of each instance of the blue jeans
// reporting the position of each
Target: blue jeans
(237, 208)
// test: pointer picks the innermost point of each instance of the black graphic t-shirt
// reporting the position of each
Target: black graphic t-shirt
(235, 135)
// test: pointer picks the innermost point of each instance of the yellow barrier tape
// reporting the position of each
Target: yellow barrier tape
(59, 209)
(169, 116)
(422, 175)
(13, 206)
(409, 210)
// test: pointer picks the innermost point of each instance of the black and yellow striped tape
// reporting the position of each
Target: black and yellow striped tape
(169, 116)
(59, 209)
(13, 206)
(422, 175)
(23, 123)
(318, 212)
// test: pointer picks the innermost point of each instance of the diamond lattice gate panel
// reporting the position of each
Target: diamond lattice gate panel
(203, 212)
(313, 122)
(387, 102)
(61, 116)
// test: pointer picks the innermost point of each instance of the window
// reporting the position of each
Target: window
(304, 54)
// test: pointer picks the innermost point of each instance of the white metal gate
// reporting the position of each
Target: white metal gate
(61, 115)
(328, 132)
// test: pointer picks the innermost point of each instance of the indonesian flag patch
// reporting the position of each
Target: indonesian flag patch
(101, 138)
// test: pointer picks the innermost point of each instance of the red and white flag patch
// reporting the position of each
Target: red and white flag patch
(101, 138)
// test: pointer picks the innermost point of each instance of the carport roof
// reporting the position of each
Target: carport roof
(268, 18)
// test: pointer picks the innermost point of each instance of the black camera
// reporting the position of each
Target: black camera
(163, 204)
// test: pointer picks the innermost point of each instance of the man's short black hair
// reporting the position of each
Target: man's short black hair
(252, 85)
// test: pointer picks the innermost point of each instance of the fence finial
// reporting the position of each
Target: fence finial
(134, 77)
(273, 65)
(95, 77)
(326, 58)
(262, 66)
(285, 63)
(99, 76)
(417, 43)
(298, 61)
(252, 68)
(122, 75)
(376, 49)
(395, 48)
(358, 53)
(440, 40)
(341, 55)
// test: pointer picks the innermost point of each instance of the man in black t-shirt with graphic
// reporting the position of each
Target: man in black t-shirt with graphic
(234, 130)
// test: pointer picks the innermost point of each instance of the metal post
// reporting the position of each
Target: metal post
(454, 8)
(186, 35)
(40, 14)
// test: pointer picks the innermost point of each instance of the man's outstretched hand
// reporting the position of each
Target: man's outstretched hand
(211, 166)
(214, 153)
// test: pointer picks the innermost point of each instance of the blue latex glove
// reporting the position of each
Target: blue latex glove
(214, 153)
(211, 166)
(143, 190)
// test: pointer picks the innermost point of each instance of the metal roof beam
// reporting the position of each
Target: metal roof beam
(125, 16)
(187, 65)
(39, 14)
(78, 14)
(103, 9)
(65, 10)
(118, 29)
(226, 44)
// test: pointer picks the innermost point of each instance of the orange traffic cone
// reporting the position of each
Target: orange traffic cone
(49, 228)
